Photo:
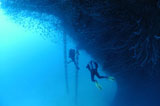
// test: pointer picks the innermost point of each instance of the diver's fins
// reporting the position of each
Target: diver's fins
(111, 78)
(98, 85)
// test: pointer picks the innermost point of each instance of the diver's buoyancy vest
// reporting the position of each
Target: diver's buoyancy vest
(71, 53)
(93, 65)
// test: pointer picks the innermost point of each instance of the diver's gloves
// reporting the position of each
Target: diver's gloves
(111, 78)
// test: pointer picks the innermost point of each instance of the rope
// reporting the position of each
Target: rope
(76, 86)
(65, 62)
(76, 79)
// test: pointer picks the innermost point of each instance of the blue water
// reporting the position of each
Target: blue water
(32, 67)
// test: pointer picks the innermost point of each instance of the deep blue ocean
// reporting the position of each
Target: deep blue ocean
(32, 66)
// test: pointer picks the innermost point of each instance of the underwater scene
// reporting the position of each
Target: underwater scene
(79, 52)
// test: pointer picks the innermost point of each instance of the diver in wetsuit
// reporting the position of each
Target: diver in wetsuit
(73, 55)
(93, 68)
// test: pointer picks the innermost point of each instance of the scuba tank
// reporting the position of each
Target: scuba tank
(71, 53)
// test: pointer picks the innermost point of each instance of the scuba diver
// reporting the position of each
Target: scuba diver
(74, 56)
(93, 68)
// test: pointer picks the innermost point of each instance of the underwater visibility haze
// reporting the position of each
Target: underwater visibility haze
(32, 69)
(79, 52)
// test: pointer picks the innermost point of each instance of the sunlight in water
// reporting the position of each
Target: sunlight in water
(9, 32)
(31, 68)
(19, 30)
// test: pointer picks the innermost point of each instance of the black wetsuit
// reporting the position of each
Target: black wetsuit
(93, 67)
(73, 54)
